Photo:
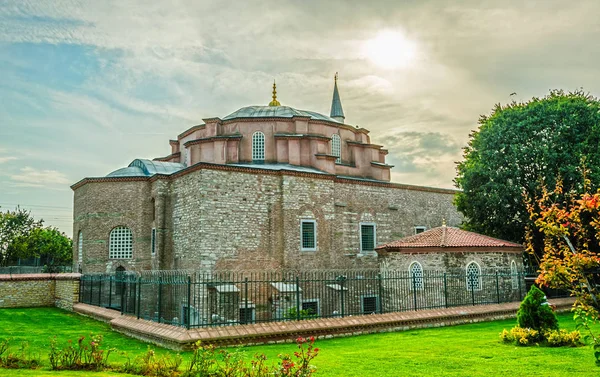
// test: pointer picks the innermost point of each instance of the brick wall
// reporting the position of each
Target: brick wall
(34, 290)
(243, 219)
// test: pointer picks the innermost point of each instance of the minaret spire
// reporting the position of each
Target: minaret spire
(337, 112)
(274, 102)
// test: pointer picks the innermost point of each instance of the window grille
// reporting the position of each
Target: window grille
(473, 277)
(120, 243)
(80, 247)
(309, 235)
(514, 275)
(336, 147)
(367, 237)
(312, 307)
(370, 304)
(247, 315)
(416, 275)
(258, 147)
(153, 241)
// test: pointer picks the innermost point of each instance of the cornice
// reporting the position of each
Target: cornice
(212, 138)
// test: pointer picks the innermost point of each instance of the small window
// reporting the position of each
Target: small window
(120, 243)
(247, 315)
(514, 275)
(258, 147)
(473, 277)
(420, 229)
(308, 230)
(80, 248)
(311, 307)
(336, 147)
(367, 238)
(416, 276)
(153, 242)
(369, 304)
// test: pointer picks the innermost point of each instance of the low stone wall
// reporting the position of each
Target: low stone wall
(178, 338)
(34, 290)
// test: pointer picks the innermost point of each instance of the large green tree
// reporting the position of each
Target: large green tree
(521, 147)
(21, 236)
(14, 224)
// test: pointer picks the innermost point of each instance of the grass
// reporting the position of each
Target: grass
(467, 350)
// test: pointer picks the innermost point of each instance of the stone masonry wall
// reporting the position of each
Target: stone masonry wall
(100, 207)
(34, 290)
(249, 219)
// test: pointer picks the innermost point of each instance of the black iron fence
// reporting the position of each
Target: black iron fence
(194, 299)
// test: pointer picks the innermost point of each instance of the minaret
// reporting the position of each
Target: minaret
(337, 112)
(274, 102)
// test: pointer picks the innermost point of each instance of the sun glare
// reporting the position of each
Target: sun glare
(390, 50)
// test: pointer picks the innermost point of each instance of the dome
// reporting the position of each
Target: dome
(275, 112)
(147, 168)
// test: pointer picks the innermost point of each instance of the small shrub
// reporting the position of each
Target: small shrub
(521, 336)
(535, 312)
(20, 360)
(152, 365)
(88, 355)
(563, 338)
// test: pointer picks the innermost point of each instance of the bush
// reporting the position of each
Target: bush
(152, 365)
(521, 336)
(535, 312)
(19, 360)
(87, 355)
(563, 338)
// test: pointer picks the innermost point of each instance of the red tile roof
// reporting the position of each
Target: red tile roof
(445, 236)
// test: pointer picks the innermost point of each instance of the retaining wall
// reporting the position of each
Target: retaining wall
(34, 290)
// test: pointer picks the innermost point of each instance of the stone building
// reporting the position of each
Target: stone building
(446, 264)
(266, 187)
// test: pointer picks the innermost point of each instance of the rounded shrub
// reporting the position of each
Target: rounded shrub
(535, 312)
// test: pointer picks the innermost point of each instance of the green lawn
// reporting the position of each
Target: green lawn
(467, 350)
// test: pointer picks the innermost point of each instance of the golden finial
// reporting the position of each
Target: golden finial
(335, 77)
(274, 102)
(443, 222)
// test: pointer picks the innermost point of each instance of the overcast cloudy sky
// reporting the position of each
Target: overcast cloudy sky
(88, 86)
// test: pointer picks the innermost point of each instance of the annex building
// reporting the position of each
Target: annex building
(263, 188)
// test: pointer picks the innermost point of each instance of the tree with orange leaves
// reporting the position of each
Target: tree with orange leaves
(571, 255)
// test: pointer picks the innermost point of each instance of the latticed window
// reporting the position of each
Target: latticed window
(308, 230)
(416, 275)
(312, 307)
(120, 243)
(258, 146)
(153, 241)
(473, 277)
(370, 304)
(514, 275)
(336, 147)
(80, 247)
(367, 237)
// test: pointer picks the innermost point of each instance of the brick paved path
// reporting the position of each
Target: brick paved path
(279, 332)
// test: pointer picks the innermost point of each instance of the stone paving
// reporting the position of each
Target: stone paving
(281, 332)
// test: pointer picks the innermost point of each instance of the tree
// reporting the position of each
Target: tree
(14, 224)
(47, 243)
(570, 225)
(535, 312)
(518, 146)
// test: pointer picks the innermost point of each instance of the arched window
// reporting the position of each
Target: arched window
(80, 247)
(336, 147)
(416, 276)
(120, 243)
(514, 275)
(258, 147)
(473, 277)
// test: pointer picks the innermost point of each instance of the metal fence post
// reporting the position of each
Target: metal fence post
(497, 288)
(414, 284)
(189, 299)
(100, 291)
(110, 279)
(472, 278)
(81, 285)
(297, 298)
(159, 297)
(139, 296)
(380, 293)
(519, 278)
(445, 291)
(342, 281)
(246, 301)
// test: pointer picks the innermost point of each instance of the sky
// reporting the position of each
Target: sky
(88, 86)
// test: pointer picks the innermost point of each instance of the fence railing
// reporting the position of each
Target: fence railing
(220, 299)
(17, 270)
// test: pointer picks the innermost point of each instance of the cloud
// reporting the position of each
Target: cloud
(30, 177)
(6, 159)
